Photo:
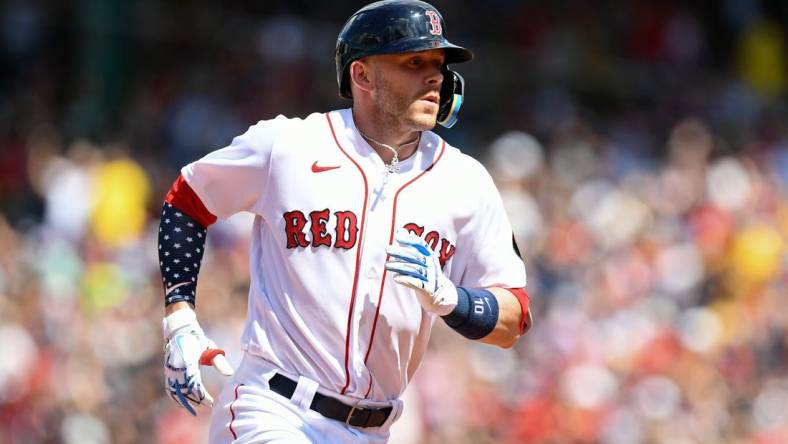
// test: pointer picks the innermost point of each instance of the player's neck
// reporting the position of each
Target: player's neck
(378, 133)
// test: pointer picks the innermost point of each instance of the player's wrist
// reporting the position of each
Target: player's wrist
(178, 320)
(475, 314)
(446, 300)
(172, 308)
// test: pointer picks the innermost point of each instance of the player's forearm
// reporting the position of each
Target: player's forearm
(181, 247)
(494, 315)
(510, 317)
(182, 235)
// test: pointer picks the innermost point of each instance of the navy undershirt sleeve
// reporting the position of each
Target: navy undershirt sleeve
(181, 247)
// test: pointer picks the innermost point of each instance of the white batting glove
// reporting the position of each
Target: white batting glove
(415, 265)
(187, 348)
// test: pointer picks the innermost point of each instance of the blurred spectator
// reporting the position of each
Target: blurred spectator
(119, 200)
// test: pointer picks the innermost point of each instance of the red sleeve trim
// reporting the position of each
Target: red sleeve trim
(183, 197)
(525, 301)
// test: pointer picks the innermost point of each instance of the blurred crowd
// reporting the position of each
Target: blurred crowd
(641, 149)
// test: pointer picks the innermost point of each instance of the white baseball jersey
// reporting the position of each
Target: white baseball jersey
(321, 304)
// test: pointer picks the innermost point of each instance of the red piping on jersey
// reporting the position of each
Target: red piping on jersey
(358, 257)
(391, 239)
(232, 413)
(183, 197)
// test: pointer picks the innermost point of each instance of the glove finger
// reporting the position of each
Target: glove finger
(178, 401)
(195, 400)
(208, 399)
(406, 238)
(222, 365)
(174, 398)
(409, 281)
(406, 269)
(182, 399)
(209, 354)
(197, 393)
(215, 357)
(406, 254)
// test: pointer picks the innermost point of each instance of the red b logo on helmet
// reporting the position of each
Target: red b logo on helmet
(435, 23)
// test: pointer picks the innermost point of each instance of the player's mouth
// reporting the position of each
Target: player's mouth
(432, 98)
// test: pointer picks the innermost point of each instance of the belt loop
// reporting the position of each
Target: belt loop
(350, 415)
(394, 414)
(304, 392)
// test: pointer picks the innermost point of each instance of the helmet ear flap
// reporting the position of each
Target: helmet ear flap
(452, 95)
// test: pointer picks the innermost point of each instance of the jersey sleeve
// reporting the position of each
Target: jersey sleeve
(492, 260)
(182, 197)
(233, 179)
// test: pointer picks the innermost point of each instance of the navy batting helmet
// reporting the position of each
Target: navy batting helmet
(397, 26)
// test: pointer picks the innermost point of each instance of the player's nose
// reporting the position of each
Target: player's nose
(435, 76)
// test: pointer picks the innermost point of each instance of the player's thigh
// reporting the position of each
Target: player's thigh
(246, 414)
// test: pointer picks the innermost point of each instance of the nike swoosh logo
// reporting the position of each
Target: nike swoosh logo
(320, 169)
(169, 290)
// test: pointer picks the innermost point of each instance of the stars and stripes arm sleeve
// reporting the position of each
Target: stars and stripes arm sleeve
(182, 234)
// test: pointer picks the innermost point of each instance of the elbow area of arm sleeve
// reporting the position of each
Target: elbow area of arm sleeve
(183, 197)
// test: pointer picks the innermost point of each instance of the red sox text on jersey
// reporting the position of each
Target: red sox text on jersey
(312, 230)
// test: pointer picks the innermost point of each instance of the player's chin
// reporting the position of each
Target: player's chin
(424, 117)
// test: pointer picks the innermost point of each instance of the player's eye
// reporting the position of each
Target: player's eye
(415, 61)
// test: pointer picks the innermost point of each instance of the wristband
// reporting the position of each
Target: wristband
(476, 313)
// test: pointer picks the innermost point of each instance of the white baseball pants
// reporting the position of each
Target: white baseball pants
(248, 412)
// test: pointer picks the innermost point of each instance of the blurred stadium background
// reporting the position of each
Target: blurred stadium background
(641, 148)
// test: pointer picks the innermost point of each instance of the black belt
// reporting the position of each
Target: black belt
(333, 408)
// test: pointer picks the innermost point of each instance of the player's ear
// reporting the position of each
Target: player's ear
(361, 75)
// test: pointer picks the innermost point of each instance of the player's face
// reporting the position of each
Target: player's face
(407, 87)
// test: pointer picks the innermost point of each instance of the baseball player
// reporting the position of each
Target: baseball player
(368, 229)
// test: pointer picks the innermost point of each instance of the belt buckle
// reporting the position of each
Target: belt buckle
(350, 415)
